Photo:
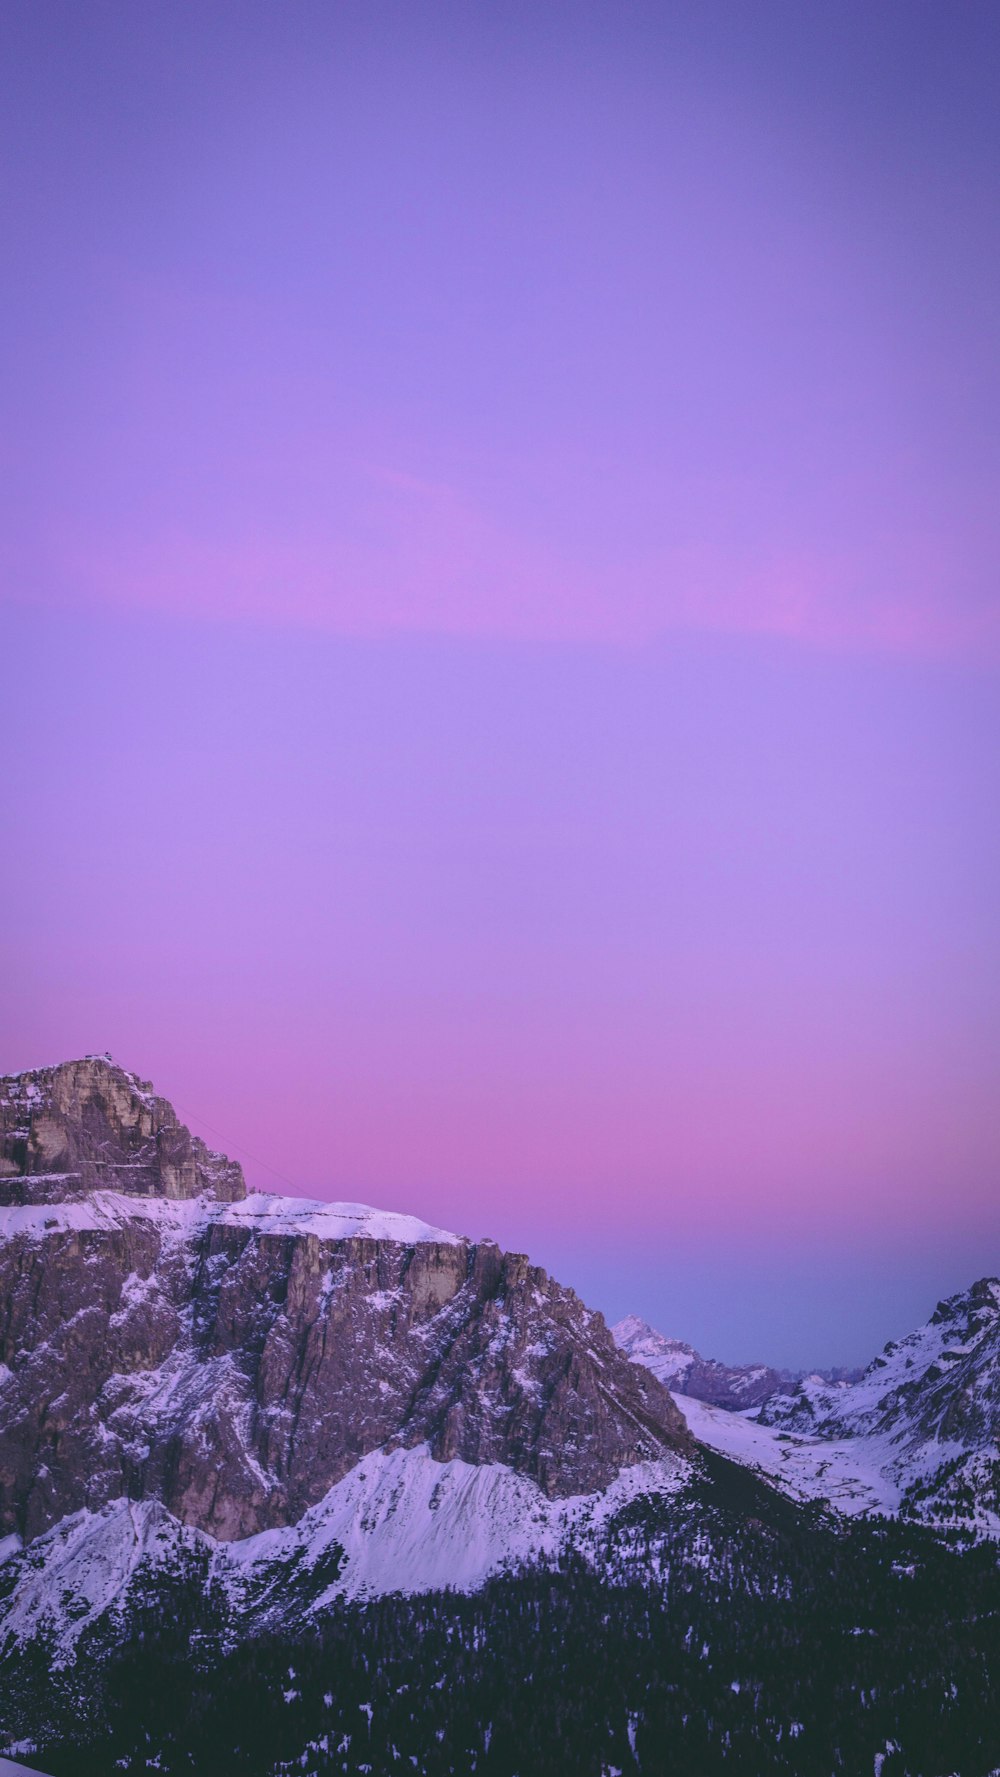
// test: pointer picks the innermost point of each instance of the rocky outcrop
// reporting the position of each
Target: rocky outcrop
(88, 1125)
(233, 1360)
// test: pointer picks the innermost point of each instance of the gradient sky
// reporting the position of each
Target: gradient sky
(501, 630)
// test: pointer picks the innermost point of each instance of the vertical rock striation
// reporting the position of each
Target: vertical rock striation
(163, 1336)
(89, 1125)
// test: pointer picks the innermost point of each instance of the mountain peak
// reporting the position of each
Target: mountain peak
(680, 1368)
(983, 1296)
(89, 1124)
(232, 1358)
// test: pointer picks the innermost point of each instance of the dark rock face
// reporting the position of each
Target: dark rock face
(186, 1352)
(88, 1124)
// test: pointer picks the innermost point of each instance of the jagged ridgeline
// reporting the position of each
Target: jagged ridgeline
(310, 1487)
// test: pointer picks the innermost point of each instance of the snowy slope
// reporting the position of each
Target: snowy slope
(399, 1522)
(918, 1432)
(929, 1404)
(848, 1473)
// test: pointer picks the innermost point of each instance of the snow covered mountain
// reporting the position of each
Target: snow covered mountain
(291, 1486)
(927, 1410)
(683, 1370)
(917, 1433)
(180, 1359)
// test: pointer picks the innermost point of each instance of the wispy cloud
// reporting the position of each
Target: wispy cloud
(400, 553)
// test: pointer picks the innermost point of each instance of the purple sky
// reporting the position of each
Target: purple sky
(499, 536)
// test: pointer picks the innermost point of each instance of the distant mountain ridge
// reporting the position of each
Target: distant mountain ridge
(683, 1369)
(917, 1433)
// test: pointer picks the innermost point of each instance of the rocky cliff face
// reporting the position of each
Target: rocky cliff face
(88, 1125)
(233, 1357)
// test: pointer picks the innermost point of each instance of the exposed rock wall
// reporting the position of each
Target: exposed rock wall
(86, 1125)
(177, 1351)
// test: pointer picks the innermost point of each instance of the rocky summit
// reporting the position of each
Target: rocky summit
(166, 1337)
(89, 1125)
(293, 1486)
